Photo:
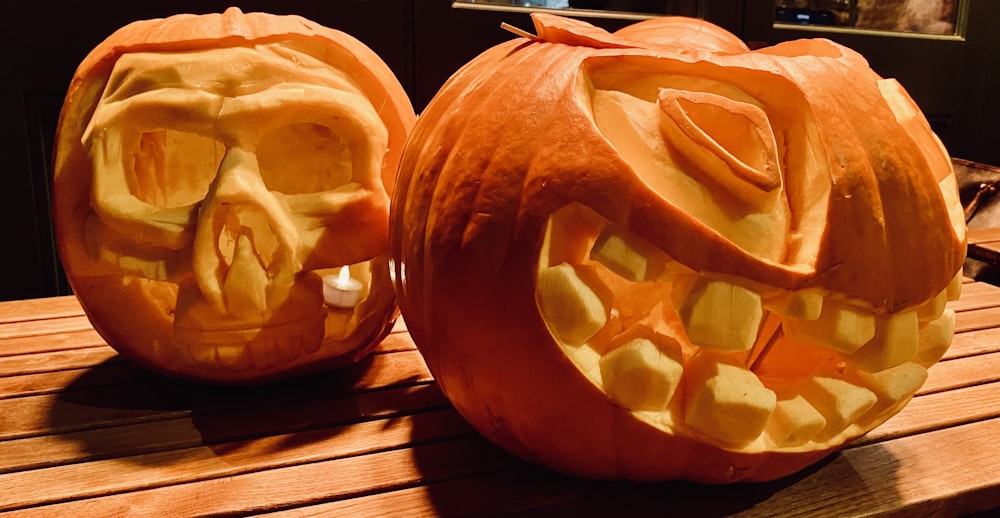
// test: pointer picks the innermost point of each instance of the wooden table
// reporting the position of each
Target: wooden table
(84, 433)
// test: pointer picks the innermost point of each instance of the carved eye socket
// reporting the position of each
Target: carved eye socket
(303, 158)
(169, 168)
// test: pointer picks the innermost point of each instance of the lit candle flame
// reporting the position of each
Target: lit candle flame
(341, 291)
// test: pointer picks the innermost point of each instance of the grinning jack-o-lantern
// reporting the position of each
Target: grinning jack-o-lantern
(656, 254)
(221, 194)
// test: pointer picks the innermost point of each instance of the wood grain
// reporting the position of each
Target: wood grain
(84, 432)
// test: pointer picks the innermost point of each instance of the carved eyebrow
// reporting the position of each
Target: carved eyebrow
(270, 66)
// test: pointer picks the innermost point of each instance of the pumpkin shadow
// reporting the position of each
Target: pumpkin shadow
(119, 410)
(505, 485)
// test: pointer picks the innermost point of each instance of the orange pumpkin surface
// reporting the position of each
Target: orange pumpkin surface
(656, 254)
(210, 173)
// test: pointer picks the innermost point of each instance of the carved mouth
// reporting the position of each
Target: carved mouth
(737, 363)
(213, 339)
(259, 348)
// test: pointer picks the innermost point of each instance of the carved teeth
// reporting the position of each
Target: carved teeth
(837, 365)
(933, 308)
(840, 402)
(795, 422)
(569, 234)
(232, 357)
(726, 401)
(954, 288)
(628, 256)
(895, 384)
(894, 343)
(644, 371)
(717, 314)
(803, 304)
(573, 301)
(260, 354)
(839, 326)
(934, 338)
(602, 341)
(221, 356)
(264, 354)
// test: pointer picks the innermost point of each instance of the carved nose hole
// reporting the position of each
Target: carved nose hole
(242, 222)
(245, 247)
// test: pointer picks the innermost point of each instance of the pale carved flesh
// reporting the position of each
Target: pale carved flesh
(735, 362)
(238, 176)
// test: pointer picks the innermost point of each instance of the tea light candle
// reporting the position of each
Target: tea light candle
(341, 290)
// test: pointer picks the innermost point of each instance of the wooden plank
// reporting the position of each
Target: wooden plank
(56, 361)
(507, 491)
(947, 472)
(962, 372)
(977, 319)
(39, 309)
(50, 342)
(971, 343)
(45, 327)
(180, 466)
(143, 397)
(112, 481)
(196, 428)
(67, 368)
(988, 252)
(80, 339)
(977, 295)
(295, 485)
(940, 410)
(982, 235)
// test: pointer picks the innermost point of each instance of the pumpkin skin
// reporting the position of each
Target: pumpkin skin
(625, 258)
(209, 172)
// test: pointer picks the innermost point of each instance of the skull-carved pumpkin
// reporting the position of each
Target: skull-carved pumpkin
(656, 254)
(210, 173)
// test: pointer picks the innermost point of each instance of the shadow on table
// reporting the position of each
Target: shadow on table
(511, 487)
(117, 409)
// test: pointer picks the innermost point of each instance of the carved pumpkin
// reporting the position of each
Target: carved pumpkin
(654, 257)
(210, 172)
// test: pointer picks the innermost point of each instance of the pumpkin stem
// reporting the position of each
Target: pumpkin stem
(519, 32)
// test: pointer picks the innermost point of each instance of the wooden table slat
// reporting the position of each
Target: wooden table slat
(25, 328)
(126, 439)
(108, 405)
(901, 478)
(185, 465)
(955, 373)
(299, 484)
(940, 410)
(976, 236)
(85, 432)
(977, 295)
(39, 309)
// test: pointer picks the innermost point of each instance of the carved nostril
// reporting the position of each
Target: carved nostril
(245, 247)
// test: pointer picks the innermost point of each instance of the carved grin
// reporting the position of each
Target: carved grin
(215, 339)
(739, 363)
(261, 347)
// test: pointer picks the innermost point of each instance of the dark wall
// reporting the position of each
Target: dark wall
(423, 41)
(45, 43)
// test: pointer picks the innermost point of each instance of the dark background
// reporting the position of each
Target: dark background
(424, 42)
